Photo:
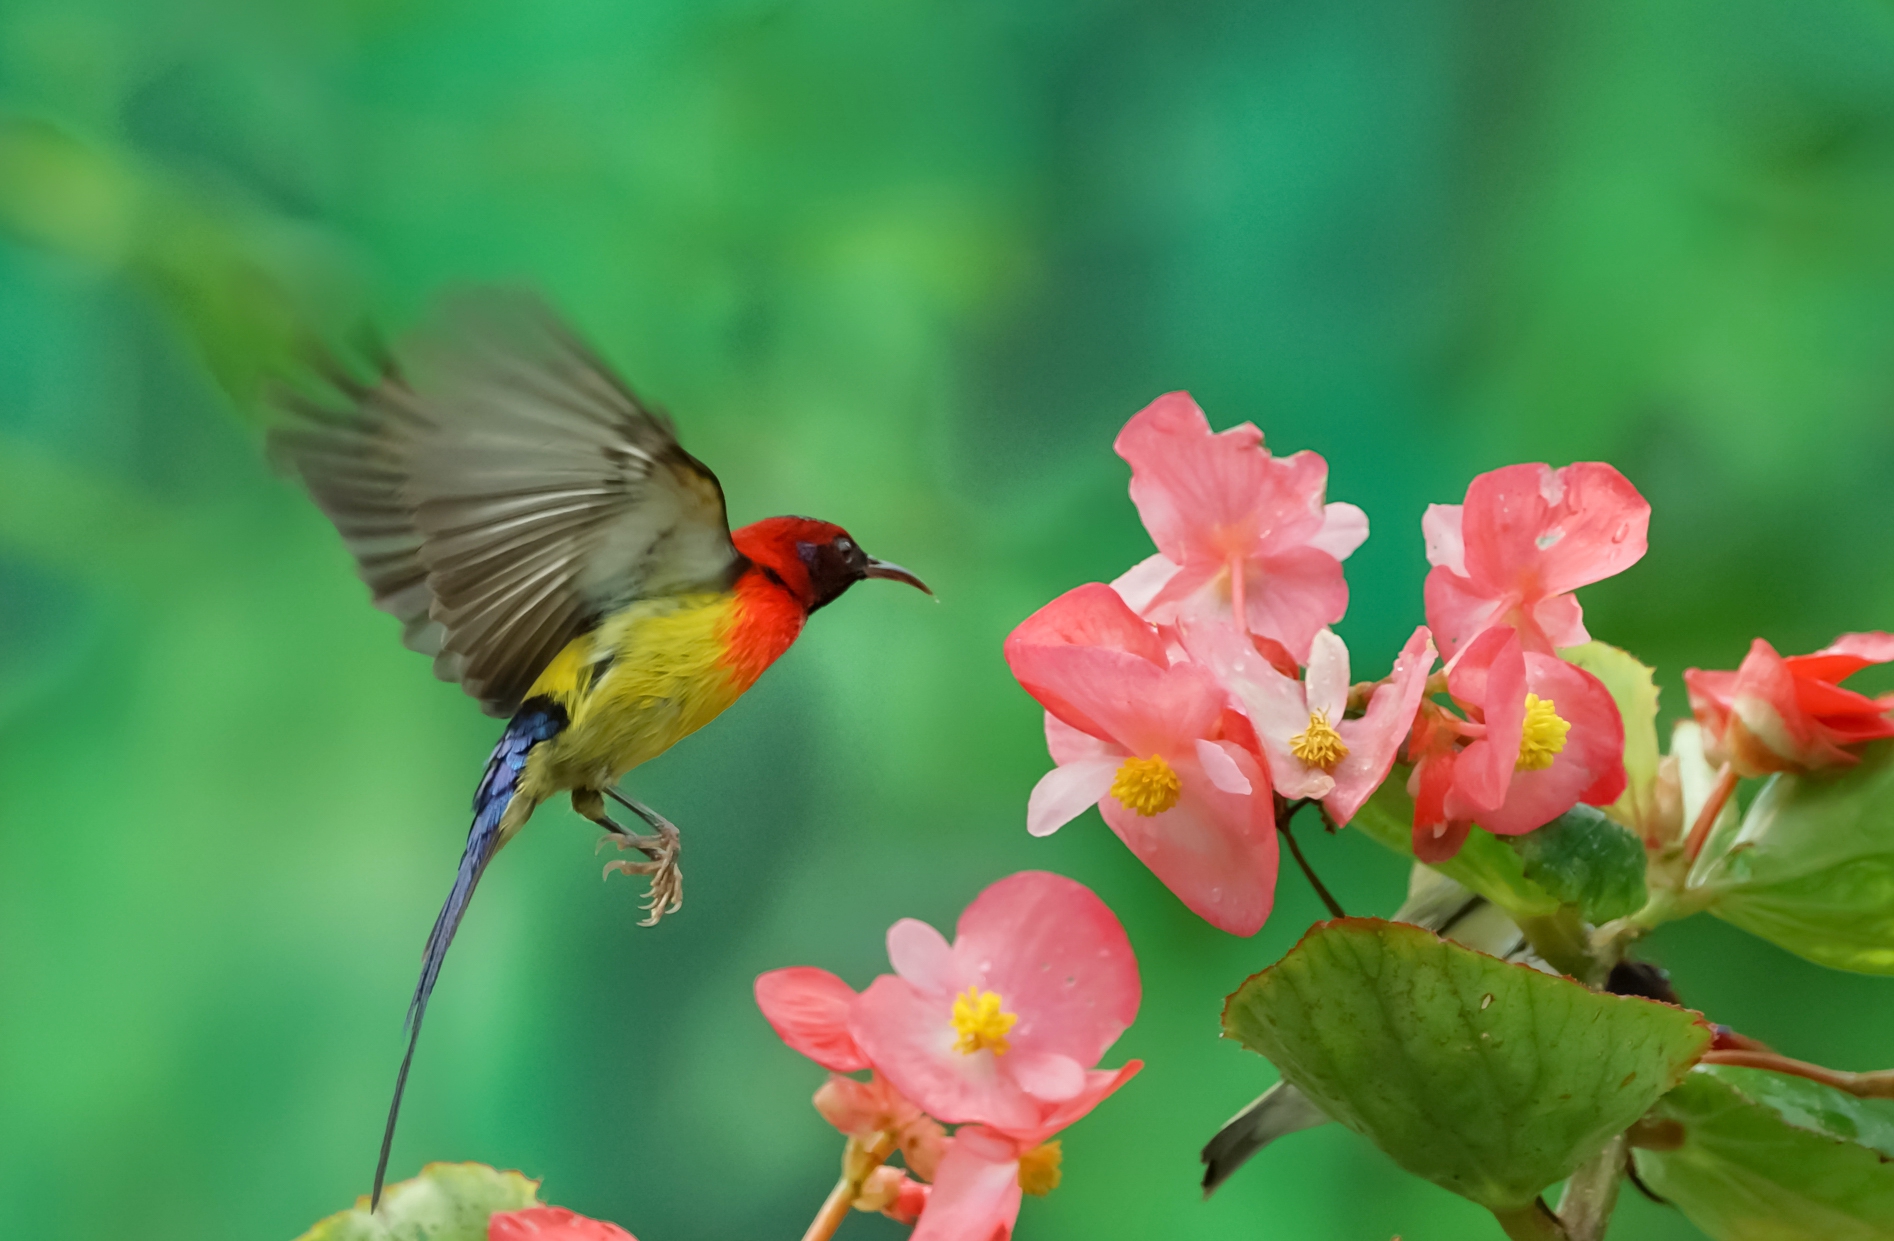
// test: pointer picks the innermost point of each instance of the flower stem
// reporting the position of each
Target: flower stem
(1532, 1223)
(1862, 1085)
(857, 1162)
(1284, 815)
(1591, 1193)
(1712, 810)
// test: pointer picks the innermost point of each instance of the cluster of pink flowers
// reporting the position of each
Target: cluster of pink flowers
(997, 1033)
(1203, 688)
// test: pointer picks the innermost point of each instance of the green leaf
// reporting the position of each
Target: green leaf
(1633, 687)
(1490, 1079)
(1485, 864)
(1585, 859)
(1812, 867)
(447, 1202)
(1769, 1157)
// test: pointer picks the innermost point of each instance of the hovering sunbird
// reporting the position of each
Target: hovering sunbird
(540, 532)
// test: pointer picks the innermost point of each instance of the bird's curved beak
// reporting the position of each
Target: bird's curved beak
(894, 573)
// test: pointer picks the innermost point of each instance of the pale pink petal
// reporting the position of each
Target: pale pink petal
(1203, 585)
(1065, 793)
(1046, 1075)
(976, 1192)
(1327, 678)
(1058, 958)
(1067, 744)
(1100, 1084)
(1869, 648)
(808, 1008)
(1594, 749)
(1458, 611)
(1273, 702)
(1139, 585)
(1215, 851)
(921, 954)
(909, 1036)
(1375, 739)
(1440, 527)
(1221, 768)
(1491, 677)
(1344, 528)
(1290, 509)
(1291, 595)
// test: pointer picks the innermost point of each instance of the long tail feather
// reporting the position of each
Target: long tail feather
(536, 721)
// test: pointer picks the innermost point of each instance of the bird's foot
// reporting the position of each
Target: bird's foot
(662, 849)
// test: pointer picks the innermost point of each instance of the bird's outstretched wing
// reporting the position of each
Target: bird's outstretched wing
(501, 489)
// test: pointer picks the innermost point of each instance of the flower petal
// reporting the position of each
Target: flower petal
(1145, 708)
(1440, 527)
(808, 1009)
(1291, 595)
(1215, 851)
(1100, 1084)
(909, 1036)
(1594, 750)
(1221, 768)
(1375, 739)
(1344, 528)
(1046, 1075)
(1274, 703)
(1066, 792)
(976, 1192)
(1327, 679)
(1140, 584)
(551, 1224)
(1567, 527)
(921, 954)
(1490, 676)
(1058, 957)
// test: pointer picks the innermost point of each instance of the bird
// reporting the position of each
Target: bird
(540, 532)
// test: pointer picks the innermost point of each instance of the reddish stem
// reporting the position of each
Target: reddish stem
(1712, 809)
(1861, 1085)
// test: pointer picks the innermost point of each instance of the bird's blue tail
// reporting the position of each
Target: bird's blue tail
(538, 720)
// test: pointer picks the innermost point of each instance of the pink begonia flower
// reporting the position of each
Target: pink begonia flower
(809, 1009)
(1003, 1026)
(1312, 749)
(551, 1224)
(976, 1195)
(1527, 536)
(1235, 527)
(1540, 736)
(1776, 714)
(1155, 748)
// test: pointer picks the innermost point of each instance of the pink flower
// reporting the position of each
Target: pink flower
(1152, 745)
(1235, 527)
(1776, 714)
(1527, 536)
(895, 1194)
(809, 1009)
(1540, 736)
(551, 1224)
(1312, 748)
(1003, 1026)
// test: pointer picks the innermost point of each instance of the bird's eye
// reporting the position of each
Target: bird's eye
(844, 545)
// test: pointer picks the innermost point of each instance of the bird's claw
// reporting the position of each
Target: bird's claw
(666, 895)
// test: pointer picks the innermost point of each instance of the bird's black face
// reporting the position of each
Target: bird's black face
(839, 563)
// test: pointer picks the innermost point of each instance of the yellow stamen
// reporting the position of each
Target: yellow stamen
(1543, 735)
(1146, 785)
(1319, 745)
(1039, 1169)
(980, 1022)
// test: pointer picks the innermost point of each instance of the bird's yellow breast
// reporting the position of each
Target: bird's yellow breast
(649, 676)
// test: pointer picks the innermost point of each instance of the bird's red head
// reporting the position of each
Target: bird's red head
(813, 560)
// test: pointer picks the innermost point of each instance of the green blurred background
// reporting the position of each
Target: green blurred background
(905, 264)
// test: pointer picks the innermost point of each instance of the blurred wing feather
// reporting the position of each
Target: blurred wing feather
(503, 490)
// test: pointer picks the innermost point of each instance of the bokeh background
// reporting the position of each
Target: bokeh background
(906, 264)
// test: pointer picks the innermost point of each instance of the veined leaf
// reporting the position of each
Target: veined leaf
(447, 1202)
(1812, 867)
(1588, 860)
(1770, 1157)
(1490, 1079)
